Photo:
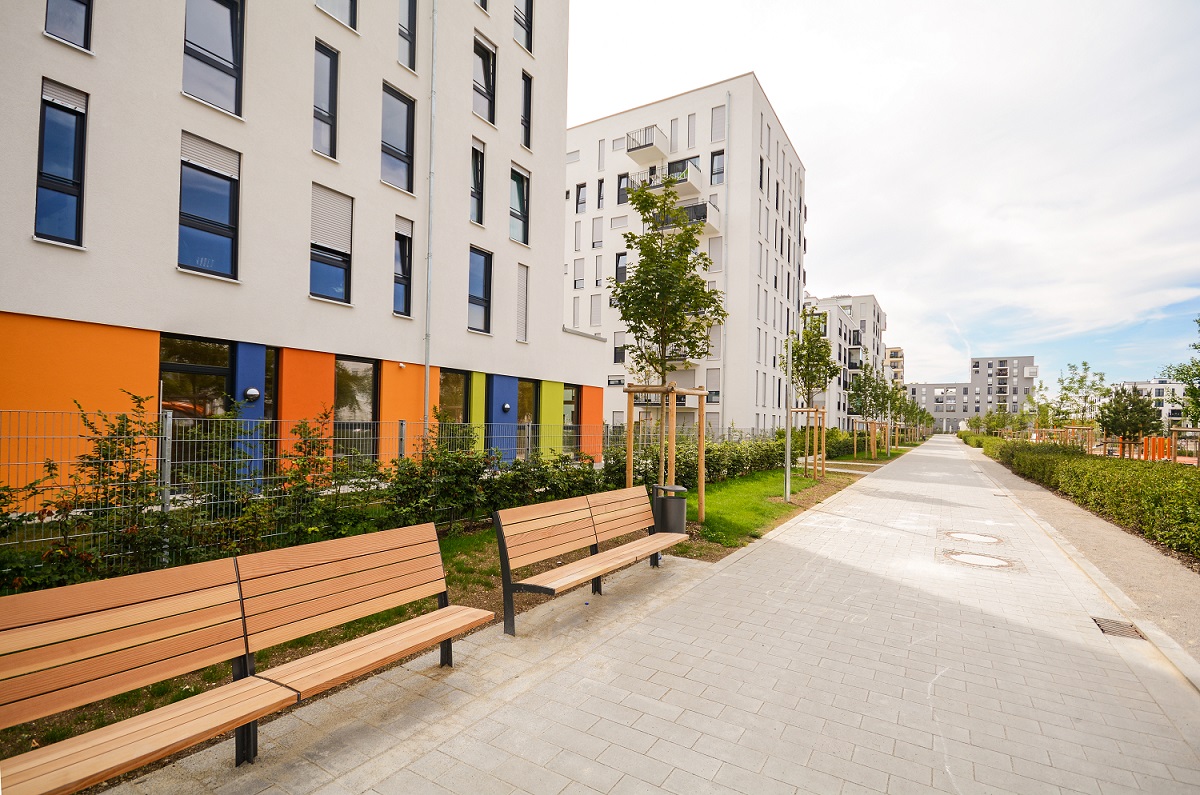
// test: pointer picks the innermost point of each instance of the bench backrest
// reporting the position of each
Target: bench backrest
(65, 647)
(289, 593)
(532, 533)
(615, 513)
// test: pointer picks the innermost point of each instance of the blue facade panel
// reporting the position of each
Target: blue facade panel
(501, 423)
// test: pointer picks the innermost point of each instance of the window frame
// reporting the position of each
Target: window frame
(523, 23)
(713, 171)
(488, 90)
(621, 270)
(581, 198)
(520, 215)
(405, 248)
(329, 256)
(408, 33)
(600, 193)
(86, 44)
(353, 21)
(213, 227)
(622, 189)
(234, 70)
(391, 150)
(51, 182)
(328, 117)
(526, 110)
(478, 176)
(484, 300)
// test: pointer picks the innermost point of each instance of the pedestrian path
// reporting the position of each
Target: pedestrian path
(872, 644)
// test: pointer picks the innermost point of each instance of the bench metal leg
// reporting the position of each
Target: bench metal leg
(447, 651)
(510, 624)
(654, 560)
(596, 588)
(245, 737)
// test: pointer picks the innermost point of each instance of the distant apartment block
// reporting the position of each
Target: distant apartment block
(738, 173)
(854, 326)
(996, 384)
(895, 363)
(1166, 395)
(221, 196)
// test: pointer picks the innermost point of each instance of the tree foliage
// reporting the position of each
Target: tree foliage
(1188, 374)
(665, 304)
(1080, 393)
(813, 365)
(1128, 414)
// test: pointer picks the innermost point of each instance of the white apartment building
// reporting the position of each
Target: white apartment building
(854, 327)
(739, 173)
(1002, 384)
(1166, 395)
(895, 363)
(255, 181)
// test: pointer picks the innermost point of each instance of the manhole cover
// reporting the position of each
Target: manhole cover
(978, 560)
(977, 538)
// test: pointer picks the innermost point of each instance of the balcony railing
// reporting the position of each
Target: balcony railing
(688, 179)
(713, 396)
(637, 139)
(646, 145)
(700, 210)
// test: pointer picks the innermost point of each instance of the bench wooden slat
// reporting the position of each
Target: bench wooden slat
(125, 659)
(546, 548)
(628, 521)
(552, 516)
(334, 568)
(279, 634)
(261, 564)
(331, 667)
(566, 577)
(603, 498)
(526, 512)
(49, 703)
(314, 594)
(79, 762)
(36, 607)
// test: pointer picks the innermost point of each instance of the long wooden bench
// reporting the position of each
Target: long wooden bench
(67, 647)
(533, 533)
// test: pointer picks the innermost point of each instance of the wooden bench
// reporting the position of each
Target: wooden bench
(533, 533)
(67, 647)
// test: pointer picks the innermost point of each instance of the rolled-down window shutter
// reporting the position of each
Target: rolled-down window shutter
(714, 342)
(64, 95)
(597, 231)
(404, 226)
(712, 379)
(332, 218)
(206, 154)
(594, 313)
(522, 303)
(717, 133)
(715, 252)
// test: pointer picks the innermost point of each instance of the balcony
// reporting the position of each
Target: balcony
(647, 145)
(713, 396)
(689, 180)
(855, 339)
(701, 210)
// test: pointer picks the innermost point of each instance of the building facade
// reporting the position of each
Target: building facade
(854, 326)
(1001, 384)
(228, 197)
(740, 174)
(1166, 395)
(895, 363)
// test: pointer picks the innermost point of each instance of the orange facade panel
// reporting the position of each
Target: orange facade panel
(591, 418)
(402, 398)
(305, 384)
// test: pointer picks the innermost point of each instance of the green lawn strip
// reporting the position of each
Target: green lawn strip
(882, 456)
(740, 509)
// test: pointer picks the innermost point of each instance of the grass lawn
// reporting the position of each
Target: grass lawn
(882, 456)
(743, 508)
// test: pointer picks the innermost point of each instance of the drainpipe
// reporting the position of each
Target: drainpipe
(725, 264)
(429, 217)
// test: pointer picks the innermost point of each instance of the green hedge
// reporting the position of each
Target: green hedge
(1158, 499)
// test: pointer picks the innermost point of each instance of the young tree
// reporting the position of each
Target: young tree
(1128, 415)
(812, 362)
(1188, 374)
(665, 303)
(975, 423)
(1080, 393)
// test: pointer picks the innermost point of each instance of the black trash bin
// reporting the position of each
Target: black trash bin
(670, 510)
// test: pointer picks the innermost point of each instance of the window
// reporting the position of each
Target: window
(479, 292)
(581, 198)
(212, 53)
(594, 310)
(761, 166)
(599, 194)
(59, 211)
(397, 139)
(678, 168)
(522, 303)
(621, 259)
(355, 398)
(526, 110)
(518, 223)
(482, 4)
(523, 23)
(402, 257)
(325, 101)
(527, 416)
(329, 256)
(208, 207)
(71, 21)
(577, 280)
(622, 188)
(485, 82)
(597, 232)
(344, 11)
(477, 182)
(717, 171)
(407, 33)
(454, 389)
(619, 347)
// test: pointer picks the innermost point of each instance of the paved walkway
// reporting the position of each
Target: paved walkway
(846, 652)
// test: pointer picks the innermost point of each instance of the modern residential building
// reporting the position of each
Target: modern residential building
(223, 198)
(854, 326)
(895, 363)
(1166, 395)
(996, 384)
(740, 174)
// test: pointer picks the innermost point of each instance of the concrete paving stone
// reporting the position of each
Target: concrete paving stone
(406, 782)
(680, 756)
(533, 749)
(751, 782)
(589, 772)
(635, 763)
(622, 735)
(632, 785)
(530, 777)
(432, 764)
(652, 706)
(464, 779)
(480, 754)
(250, 784)
(670, 730)
(713, 726)
(734, 753)
(575, 788)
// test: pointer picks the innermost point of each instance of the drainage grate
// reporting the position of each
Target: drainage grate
(1122, 628)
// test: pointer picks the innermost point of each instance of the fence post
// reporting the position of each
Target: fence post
(403, 438)
(164, 449)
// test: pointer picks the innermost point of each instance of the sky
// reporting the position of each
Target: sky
(1009, 178)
